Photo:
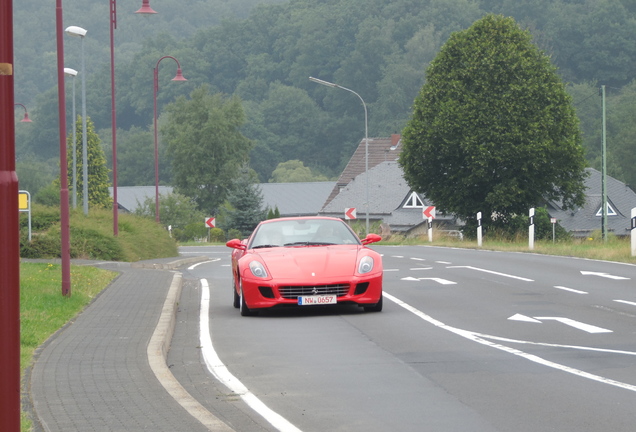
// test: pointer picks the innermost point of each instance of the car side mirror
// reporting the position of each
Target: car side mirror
(371, 238)
(236, 244)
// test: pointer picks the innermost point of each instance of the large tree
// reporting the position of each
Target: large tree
(493, 129)
(205, 146)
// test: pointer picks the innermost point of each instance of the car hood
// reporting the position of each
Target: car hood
(312, 261)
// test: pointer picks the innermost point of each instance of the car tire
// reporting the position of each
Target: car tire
(374, 308)
(237, 298)
(245, 311)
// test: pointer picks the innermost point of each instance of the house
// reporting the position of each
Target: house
(391, 201)
(394, 203)
(582, 221)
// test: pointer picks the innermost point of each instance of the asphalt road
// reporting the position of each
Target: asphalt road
(467, 341)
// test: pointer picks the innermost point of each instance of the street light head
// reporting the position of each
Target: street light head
(76, 31)
(179, 76)
(70, 72)
(145, 8)
(325, 83)
(26, 118)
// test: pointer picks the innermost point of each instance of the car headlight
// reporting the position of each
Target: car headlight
(258, 269)
(365, 265)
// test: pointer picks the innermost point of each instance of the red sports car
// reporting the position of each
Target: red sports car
(305, 261)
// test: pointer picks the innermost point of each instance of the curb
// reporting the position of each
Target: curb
(157, 351)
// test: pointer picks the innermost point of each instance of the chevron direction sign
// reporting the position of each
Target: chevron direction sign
(350, 213)
(429, 212)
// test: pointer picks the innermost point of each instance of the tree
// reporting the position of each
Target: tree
(98, 181)
(205, 146)
(493, 129)
(294, 171)
(244, 209)
(176, 210)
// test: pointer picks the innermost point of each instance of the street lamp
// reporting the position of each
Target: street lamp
(178, 77)
(81, 33)
(73, 73)
(366, 137)
(145, 9)
(26, 118)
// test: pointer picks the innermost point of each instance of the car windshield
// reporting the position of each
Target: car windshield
(302, 232)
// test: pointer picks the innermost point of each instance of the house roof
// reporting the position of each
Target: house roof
(585, 219)
(380, 150)
(296, 199)
(387, 194)
(129, 198)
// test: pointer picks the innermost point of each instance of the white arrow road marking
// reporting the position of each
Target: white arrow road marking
(481, 339)
(494, 272)
(626, 302)
(605, 275)
(576, 324)
(570, 289)
(519, 317)
(438, 280)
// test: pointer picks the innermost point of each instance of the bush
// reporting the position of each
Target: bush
(234, 234)
(217, 235)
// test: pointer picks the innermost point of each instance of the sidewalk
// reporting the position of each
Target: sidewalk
(97, 373)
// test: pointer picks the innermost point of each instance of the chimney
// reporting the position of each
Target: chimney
(395, 141)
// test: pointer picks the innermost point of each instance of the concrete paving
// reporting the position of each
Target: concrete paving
(106, 371)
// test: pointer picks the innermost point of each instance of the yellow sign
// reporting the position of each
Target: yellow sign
(23, 201)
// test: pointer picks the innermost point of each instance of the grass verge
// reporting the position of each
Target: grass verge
(43, 309)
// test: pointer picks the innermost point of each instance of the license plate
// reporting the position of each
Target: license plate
(317, 300)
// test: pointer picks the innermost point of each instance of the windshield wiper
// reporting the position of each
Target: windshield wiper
(265, 246)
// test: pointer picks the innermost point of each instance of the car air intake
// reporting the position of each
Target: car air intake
(294, 291)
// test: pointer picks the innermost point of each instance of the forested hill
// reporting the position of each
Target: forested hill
(379, 48)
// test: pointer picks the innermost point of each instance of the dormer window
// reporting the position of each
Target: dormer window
(413, 201)
(610, 211)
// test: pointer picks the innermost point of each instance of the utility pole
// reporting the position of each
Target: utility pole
(603, 174)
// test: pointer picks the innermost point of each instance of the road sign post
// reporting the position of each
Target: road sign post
(633, 231)
(531, 230)
(479, 229)
(24, 205)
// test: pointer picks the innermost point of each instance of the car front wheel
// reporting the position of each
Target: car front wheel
(245, 311)
(374, 308)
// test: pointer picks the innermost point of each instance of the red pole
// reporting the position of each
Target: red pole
(155, 75)
(113, 26)
(10, 243)
(64, 210)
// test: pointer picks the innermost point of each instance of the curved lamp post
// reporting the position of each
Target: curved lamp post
(26, 118)
(73, 73)
(366, 137)
(81, 33)
(178, 77)
(145, 9)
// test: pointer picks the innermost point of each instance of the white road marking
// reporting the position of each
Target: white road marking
(440, 281)
(421, 268)
(605, 275)
(391, 270)
(519, 317)
(221, 372)
(418, 259)
(626, 302)
(494, 272)
(576, 324)
(204, 262)
(479, 338)
(443, 262)
(570, 289)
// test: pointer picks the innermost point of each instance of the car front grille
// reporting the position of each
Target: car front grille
(293, 292)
